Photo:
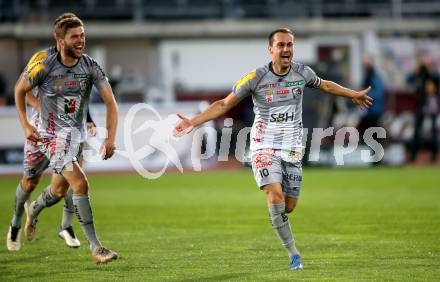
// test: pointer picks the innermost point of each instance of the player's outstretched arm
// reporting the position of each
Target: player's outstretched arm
(359, 98)
(108, 146)
(21, 88)
(216, 109)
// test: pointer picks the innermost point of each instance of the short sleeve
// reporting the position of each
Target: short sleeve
(36, 69)
(245, 85)
(98, 76)
(312, 80)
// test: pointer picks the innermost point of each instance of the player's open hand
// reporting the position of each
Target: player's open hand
(184, 127)
(362, 99)
(31, 133)
(107, 149)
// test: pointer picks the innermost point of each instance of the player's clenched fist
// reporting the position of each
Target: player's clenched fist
(31, 133)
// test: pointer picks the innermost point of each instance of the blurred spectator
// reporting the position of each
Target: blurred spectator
(372, 115)
(425, 82)
(3, 89)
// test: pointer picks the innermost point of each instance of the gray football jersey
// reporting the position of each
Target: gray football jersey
(64, 92)
(277, 105)
(40, 55)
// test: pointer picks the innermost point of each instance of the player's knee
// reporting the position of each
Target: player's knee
(290, 208)
(58, 192)
(275, 197)
(29, 184)
(290, 204)
(81, 187)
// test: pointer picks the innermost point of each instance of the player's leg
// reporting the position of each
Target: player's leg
(267, 168)
(49, 197)
(291, 186)
(34, 164)
(58, 153)
(22, 194)
(80, 186)
(66, 231)
(280, 222)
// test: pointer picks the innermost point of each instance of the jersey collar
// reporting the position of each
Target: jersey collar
(281, 76)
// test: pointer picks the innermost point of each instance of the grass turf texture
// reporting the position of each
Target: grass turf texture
(378, 224)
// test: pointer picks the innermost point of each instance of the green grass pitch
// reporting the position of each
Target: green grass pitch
(378, 224)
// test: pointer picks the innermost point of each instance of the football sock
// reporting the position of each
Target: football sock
(280, 222)
(83, 212)
(45, 200)
(68, 210)
(20, 198)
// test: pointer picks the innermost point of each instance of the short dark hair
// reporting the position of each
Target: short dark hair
(63, 25)
(282, 30)
(64, 16)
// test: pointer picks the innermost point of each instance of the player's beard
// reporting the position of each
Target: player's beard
(72, 52)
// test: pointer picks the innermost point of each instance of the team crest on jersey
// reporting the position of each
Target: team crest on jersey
(297, 92)
(84, 86)
(269, 99)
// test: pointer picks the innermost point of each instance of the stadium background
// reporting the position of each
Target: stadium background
(174, 55)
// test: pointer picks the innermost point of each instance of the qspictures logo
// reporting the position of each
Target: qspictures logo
(139, 149)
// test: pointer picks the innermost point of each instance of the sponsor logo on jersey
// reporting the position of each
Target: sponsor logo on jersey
(57, 75)
(263, 159)
(71, 83)
(282, 117)
(269, 85)
(50, 129)
(80, 75)
(69, 105)
(282, 91)
(292, 177)
(293, 83)
(268, 92)
(57, 86)
(295, 156)
(259, 126)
